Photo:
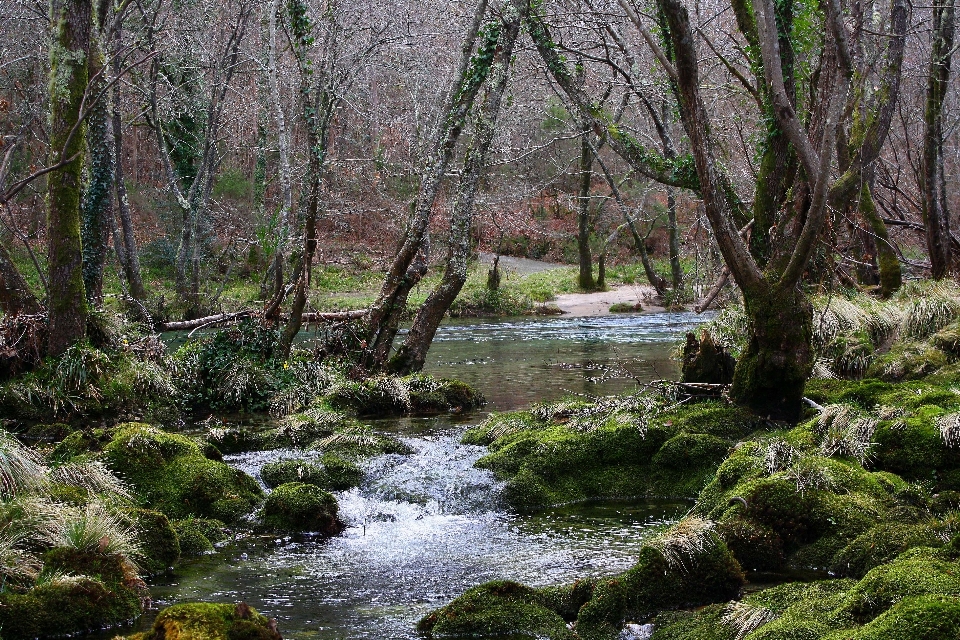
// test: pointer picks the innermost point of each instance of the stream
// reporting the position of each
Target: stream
(424, 528)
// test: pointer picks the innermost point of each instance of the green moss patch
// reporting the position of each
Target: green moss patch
(298, 507)
(169, 473)
(332, 473)
(206, 621)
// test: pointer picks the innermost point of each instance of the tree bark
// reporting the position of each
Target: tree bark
(413, 353)
(583, 211)
(128, 253)
(936, 215)
(69, 75)
(97, 205)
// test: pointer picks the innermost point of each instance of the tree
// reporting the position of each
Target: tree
(412, 354)
(69, 74)
(936, 215)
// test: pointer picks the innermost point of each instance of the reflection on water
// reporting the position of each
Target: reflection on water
(516, 362)
(424, 528)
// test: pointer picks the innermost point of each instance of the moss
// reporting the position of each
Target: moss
(576, 450)
(929, 617)
(948, 341)
(301, 429)
(80, 443)
(415, 394)
(497, 608)
(626, 307)
(158, 540)
(206, 621)
(944, 502)
(707, 575)
(907, 361)
(756, 548)
(332, 473)
(67, 606)
(296, 507)
(236, 440)
(880, 545)
(703, 624)
(691, 450)
(198, 535)
(170, 474)
(917, 572)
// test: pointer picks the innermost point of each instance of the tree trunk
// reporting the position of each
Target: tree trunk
(887, 261)
(936, 215)
(771, 373)
(97, 206)
(130, 254)
(583, 210)
(413, 353)
(15, 294)
(410, 262)
(676, 269)
(69, 75)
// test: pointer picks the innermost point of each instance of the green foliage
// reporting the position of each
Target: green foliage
(232, 183)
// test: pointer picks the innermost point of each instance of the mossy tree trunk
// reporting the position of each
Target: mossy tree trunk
(318, 102)
(584, 226)
(410, 262)
(413, 353)
(125, 241)
(72, 22)
(771, 373)
(97, 204)
(936, 215)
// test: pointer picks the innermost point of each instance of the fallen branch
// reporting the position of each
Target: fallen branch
(206, 321)
(721, 282)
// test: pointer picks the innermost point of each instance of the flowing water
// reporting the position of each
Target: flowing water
(425, 527)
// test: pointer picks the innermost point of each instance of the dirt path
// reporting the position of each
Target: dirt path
(579, 304)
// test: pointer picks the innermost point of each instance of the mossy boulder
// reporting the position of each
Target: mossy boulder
(931, 617)
(357, 442)
(297, 507)
(331, 472)
(170, 473)
(87, 591)
(415, 394)
(615, 448)
(499, 608)
(80, 443)
(207, 621)
(236, 440)
(673, 575)
(880, 545)
(159, 541)
(918, 572)
(198, 535)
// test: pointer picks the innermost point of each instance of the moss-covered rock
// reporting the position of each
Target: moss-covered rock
(170, 474)
(297, 507)
(332, 473)
(619, 447)
(67, 605)
(206, 621)
(880, 545)
(690, 566)
(392, 395)
(236, 440)
(929, 617)
(80, 591)
(158, 540)
(918, 572)
(198, 535)
(80, 443)
(496, 609)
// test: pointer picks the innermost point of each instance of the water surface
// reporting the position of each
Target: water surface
(424, 528)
